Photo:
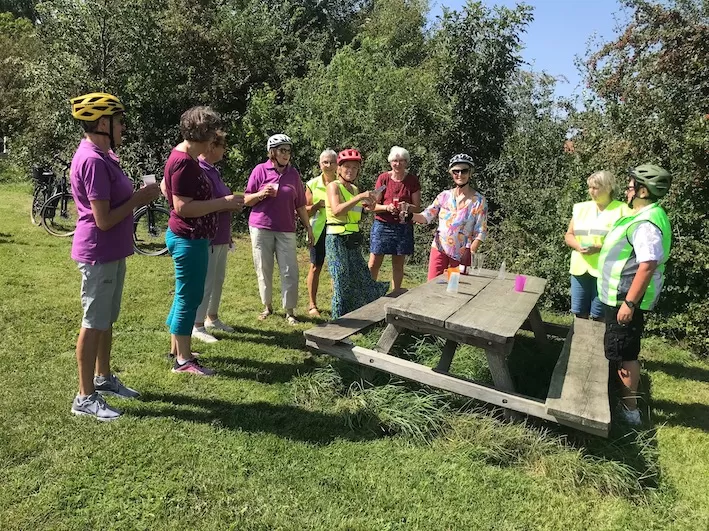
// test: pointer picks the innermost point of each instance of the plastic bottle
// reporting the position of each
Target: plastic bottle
(501, 273)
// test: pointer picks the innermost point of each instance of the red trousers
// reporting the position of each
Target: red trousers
(438, 262)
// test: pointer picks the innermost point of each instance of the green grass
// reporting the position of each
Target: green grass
(285, 439)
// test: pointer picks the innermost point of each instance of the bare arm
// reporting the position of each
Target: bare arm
(188, 207)
(106, 217)
(311, 208)
(339, 207)
(641, 281)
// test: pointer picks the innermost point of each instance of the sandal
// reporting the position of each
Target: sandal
(313, 311)
(264, 314)
(291, 320)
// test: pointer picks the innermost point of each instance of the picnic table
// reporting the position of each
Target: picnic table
(486, 312)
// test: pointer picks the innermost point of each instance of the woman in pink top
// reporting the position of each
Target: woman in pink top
(276, 193)
(462, 218)
(105, 200)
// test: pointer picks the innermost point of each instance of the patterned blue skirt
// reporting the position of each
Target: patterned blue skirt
(391, 238)
(353, 286)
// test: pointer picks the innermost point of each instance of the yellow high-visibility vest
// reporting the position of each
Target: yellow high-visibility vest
(344, 223)
(590, 228)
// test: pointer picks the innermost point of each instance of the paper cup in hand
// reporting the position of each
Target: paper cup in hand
(275, 188)
(148, 179)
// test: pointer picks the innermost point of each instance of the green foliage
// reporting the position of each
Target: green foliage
(652, 88)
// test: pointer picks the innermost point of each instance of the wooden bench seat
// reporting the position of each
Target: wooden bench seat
(352, 323)
(578, 392)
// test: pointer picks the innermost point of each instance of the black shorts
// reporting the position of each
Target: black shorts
(622, 342)
(317, 251)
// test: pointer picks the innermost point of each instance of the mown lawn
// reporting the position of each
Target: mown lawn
(282, 440)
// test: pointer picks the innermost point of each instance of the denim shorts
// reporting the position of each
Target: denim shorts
(317, 251)
(584, 296)
(101, 293)
(392, 238)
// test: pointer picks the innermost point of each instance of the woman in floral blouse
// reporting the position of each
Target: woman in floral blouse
(462, 218)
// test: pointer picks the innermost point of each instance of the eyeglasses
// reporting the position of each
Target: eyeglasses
(630, 188)
(284, 151)
(456, 171)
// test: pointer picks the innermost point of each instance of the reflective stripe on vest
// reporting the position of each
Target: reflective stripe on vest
(347, 223)
(590, 229)
(618, 264)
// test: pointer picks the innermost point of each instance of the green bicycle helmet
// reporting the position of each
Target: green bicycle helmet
(656, 179)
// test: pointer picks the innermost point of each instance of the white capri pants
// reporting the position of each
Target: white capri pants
(213, 284)
(264, 245)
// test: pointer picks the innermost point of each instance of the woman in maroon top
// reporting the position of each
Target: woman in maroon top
(193, 223)
(390, 236)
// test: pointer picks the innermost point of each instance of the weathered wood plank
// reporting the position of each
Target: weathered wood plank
(353, 322)
(426, 328)
(431, 303)
(389, 337)
(540, 333)
(425, 375)
(500, 371)
(578, 392)
(444, 364)
(497, 312)
(552, 329)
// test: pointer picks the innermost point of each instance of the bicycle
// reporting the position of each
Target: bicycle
(149, 227)
(44, 180)
(59, 213)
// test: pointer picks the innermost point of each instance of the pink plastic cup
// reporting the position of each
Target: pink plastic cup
(520, 281)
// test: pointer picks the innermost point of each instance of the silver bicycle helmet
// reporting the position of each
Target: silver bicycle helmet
(278, 140)
(460, 158)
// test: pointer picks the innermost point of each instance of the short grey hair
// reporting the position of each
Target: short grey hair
(604, 179)
(398, 152)
(328, 153)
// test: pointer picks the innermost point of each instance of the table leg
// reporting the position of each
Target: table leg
(535, 321)
(497, 361)
(389, 337)
(447, 356)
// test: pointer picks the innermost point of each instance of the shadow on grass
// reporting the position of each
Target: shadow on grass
(692, 415)
(289, 422)
(267, 372)
(291, 338)
(677, 370)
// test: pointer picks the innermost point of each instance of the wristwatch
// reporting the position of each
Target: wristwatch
(630, 304)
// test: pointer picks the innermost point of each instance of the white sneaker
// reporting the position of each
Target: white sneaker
(95, 406)
(630, 416)
(201, 334)
(218, 325)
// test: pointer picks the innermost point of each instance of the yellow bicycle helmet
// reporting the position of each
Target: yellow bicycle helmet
(90, 107)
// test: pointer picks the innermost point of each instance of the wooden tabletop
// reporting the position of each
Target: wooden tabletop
(485, 306)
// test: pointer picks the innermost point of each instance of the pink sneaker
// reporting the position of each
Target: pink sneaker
(192, 367)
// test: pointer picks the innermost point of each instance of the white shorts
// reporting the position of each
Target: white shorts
(101, 293)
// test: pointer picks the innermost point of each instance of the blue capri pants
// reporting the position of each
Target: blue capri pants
(191, 259)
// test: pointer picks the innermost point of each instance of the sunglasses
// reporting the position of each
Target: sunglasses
(466, 171)
(285, 151)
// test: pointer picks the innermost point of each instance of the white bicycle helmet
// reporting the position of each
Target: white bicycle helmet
(278, 140)
(460, 158)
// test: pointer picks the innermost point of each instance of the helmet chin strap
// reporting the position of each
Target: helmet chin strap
(109, 134)
(462, 185)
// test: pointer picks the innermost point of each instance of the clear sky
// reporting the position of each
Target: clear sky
(561, 31)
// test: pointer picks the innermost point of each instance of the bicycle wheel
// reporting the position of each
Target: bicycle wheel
(59, 215)
(149, 227)
(39, 197)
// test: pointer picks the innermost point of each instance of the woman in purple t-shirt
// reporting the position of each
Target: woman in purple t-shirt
(193, 223)
(105, 200)
(275, 193)
(208, 311)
